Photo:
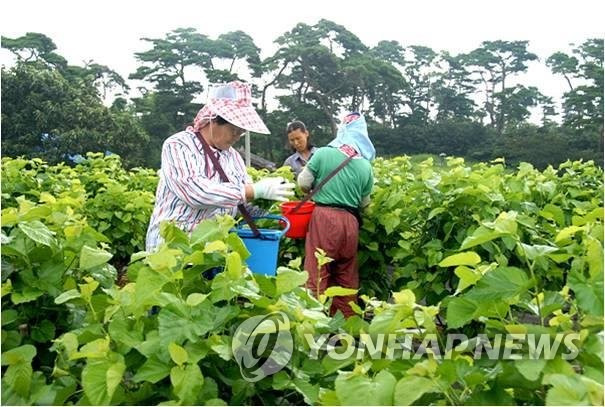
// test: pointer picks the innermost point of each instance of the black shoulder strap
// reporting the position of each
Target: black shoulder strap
(224, 178)
(325, 180)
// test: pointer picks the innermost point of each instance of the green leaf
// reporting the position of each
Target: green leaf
(359, 390)
(372, 246)
(177, 323)
(8, 218)
(411, 388)
(173, 234)
(535, 251)
(196, 351)
(137, 256)
(86, 290)
(530, 368)
(216, 246)
(69, 341)
(238, 245)
(28, 294)
(460, 311)
(92, 257)
(405, 297)
(480, 235)
(309, 391)
(125, 331)
(94, 349)
(51, 274)
(177, 353)
(149, 283)
(461, 259)
(215, 402)
(296, 263)
(151, 346)
(114, 375)
(595, 215)
(100, 379)
(506, 223)
(67, 295)
(329, 397)
(390, 319)
(165, 259)
(9, 316)
(207, 230)
(287, 280)
(588, 292)
(500, 284)
(336, 291)
(266, 284)
(565, 391)
(560, 257)
(435, 212)
(24, 353)
(6, 287)
(496, 395)
(19, 377)
(186, 382)
(43, 331)
(553, 212)
(234, 265)
(594, 256)
(196, 299)
(209, 390)
(38, 232)
(552, 301)
(567, 233)
(220, 345)
(153, 370)
(467, 276)
(390, 221)
(281, 380)
(558, 365)
(594, 387)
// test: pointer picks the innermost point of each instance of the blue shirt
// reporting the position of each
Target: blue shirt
(297, 162)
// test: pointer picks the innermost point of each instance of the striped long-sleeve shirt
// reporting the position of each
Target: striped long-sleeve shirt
(190, 189)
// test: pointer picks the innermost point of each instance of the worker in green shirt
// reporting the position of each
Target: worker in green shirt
(335, 222)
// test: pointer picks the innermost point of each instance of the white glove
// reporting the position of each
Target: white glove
(276, 189)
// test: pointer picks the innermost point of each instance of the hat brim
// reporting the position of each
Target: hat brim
(244, 117)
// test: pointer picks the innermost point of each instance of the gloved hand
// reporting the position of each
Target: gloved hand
(275, 188)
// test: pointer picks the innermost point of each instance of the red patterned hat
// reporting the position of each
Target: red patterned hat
(233, 102)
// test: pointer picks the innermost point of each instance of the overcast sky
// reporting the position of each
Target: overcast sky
(109, 31)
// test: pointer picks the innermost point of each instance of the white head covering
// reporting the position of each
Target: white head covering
(354, 132)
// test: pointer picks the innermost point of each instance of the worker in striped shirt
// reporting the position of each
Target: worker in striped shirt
(190, 189)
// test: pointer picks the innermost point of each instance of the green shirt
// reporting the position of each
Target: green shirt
(348, 186)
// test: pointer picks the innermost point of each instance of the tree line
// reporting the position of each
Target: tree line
(417, 100)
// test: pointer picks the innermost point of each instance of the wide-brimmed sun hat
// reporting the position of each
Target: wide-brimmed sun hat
(233, 102)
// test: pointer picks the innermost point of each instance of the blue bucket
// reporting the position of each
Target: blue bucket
(265, 248)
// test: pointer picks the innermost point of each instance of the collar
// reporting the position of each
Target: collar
(300, 157)
(198, 144)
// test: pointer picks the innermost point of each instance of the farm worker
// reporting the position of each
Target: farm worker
(298, 137)
(335, 222)
(190, 188)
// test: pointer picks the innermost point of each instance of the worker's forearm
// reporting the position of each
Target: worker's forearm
(249, 192)
(305, 180)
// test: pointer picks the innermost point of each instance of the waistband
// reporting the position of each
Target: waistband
(353, 211)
